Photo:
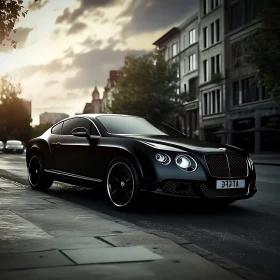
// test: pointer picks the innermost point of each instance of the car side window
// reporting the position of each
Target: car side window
(70, 124)
(57, 129)
(93, 130)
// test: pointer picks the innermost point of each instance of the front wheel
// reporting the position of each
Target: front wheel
(122, 184)
(37, 177)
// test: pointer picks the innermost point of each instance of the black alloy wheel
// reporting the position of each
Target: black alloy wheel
(122, 184)
(37, 178)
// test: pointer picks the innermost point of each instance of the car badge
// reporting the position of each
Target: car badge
(223, 149)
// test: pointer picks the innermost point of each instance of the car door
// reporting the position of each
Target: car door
(75, 155)
(52, 140)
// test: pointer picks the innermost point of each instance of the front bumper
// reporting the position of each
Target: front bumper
(200, 190)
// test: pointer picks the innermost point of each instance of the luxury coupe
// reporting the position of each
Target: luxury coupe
(127, 155)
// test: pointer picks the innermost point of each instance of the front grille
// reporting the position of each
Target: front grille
(184, 188)
(227, 165)
(213, 193)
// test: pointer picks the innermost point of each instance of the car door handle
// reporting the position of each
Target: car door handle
(58, 144)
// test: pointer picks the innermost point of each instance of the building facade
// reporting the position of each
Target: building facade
(252, 120)
(189, 75)
(95, 106)
(109, 91)
(212, 103)
(52, 118)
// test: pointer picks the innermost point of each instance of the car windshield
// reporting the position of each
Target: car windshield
(13, 142)
(136, 125)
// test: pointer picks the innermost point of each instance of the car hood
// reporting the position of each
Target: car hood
(185, 143)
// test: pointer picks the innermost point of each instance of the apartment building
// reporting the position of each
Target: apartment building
(212, 103)
(252, 120)
(189, 57)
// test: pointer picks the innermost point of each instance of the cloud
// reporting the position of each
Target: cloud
(76, 28)
(34, 6)
(55, 66)
(20, 36)
(153, 15)
(51, 83)
(85, 6)
(95, 66)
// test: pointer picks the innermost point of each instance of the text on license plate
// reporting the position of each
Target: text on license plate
(230, 184)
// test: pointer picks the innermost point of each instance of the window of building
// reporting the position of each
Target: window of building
(235, 15)
(214, 4)
(192, 62)
(184, 65)
(185, 87)
(252, 9)
(235, 93)
(205, 7)
(250, 92)
(205, 37)
(178, 72)
(192, 36)
(205, 70)
(212, 102)
(193, 88)
(212, 28)
(216, 64)
(265, 93)
(174, 49)
(178, 91)
(236, 54)
(217, 30)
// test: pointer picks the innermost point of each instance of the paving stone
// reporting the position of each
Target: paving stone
(33, 260)
(111, 255)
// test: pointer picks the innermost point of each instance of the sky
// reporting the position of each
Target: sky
(66, 47)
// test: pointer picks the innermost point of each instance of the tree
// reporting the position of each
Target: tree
(147, 87)
(14, 117)
(38, 130)
(10, 12)
(262, 50)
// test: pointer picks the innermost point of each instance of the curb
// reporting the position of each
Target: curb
(234, 268)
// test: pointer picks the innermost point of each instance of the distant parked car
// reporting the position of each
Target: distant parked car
(1, 146)
(14, 146)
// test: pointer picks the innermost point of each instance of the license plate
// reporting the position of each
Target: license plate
(230, 184)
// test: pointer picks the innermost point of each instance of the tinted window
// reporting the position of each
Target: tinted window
(69, 125)
(134, 125)
(57, 129)
(93, 130)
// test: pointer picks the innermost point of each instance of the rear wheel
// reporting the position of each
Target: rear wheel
(37, 177)
(122, 184)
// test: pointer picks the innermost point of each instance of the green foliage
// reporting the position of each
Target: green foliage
(262, 50)
(14, 117)
(38, 130)
(10, 12)
(147, 87)
(216, 78)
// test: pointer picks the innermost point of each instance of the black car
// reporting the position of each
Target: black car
(128, 154)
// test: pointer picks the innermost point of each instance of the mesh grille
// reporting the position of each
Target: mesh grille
(238, 165)
(226, 165)
(212, 193)
(178, 188)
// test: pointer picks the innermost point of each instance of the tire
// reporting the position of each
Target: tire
(37, 178)
(124, 194)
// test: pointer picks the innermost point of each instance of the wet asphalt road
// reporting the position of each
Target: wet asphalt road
(248, 232)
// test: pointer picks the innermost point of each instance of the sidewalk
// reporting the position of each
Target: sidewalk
(44, 237)
(266, 159)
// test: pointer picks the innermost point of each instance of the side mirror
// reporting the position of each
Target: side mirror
(80, 132)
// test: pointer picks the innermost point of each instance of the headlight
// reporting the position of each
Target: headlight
(251, 163)
(163, 158)
(186, 163)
